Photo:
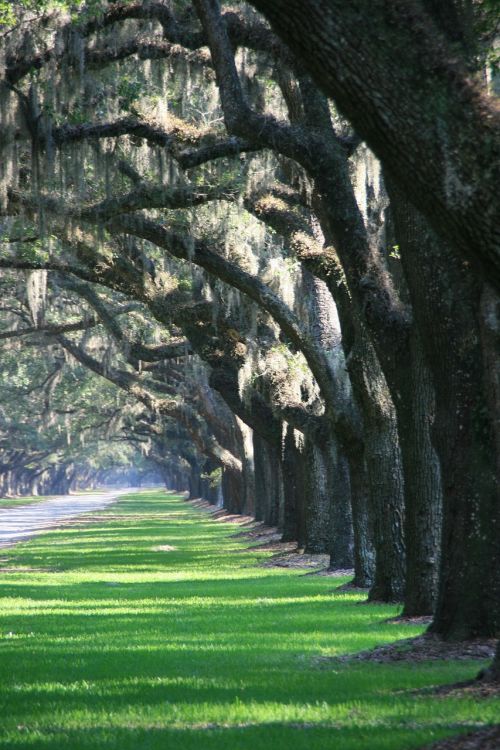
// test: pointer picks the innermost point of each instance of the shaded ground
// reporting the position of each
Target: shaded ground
(268, 538)
(474, 689)
(486, 739)
(424, 648)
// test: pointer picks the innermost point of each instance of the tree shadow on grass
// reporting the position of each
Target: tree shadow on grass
(268, 736)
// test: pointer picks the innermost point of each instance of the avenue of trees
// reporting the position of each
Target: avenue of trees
(261, 254)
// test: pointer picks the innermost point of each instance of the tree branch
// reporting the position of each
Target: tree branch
(127, 382)
(200, 254)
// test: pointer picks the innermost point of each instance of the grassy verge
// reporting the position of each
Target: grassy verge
(107, 642)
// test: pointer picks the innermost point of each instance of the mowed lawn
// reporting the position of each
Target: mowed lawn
(108, 642)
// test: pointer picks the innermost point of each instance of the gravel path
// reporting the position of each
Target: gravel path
(25, 521)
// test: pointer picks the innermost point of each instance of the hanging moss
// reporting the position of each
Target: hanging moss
(36, 293)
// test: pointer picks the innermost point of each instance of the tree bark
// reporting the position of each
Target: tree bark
(447, 306)
(423, 493)
(426, 118)
(233, 491)
(364, 552)
(319, 488)
(268, 482)
(294, 492)
(325, 329)
(195, 490)
(383, 458)
(342, 536)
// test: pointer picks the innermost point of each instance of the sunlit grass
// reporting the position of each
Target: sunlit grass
(108, 643)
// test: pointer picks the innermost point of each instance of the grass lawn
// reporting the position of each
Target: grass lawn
(108, 643)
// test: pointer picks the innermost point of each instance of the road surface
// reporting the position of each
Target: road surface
(25, 521)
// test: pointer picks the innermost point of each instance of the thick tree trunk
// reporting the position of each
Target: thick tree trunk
(34, 485)
(319, 487)
(269, 494)
(294, 473)
(328, 511)
(368, 304)
(379, 313)
(342, 538)
(423, 494)
(233, 491)
(364, 551)
(426, 118)
(60, 484)
(383, 460)
(325, 328)
(166, 476)
(447, 306)
(195, 490)
(176, 481)
(245, 445)
(210, 489)
(490, 336)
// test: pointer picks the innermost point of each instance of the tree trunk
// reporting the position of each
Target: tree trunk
(210, 489)
(233, 491)
(447, 306)
(383, 460)
(423, 494)
(268, 482)
(195, 481)
(319, 498)
(325, 329)
(490, 336)
(352, 218)
(342, 539)
(426, 118)
(294, 472)
(245, 445)
(493, 673)
(364, 552)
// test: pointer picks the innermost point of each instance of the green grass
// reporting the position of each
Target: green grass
(107, 643)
